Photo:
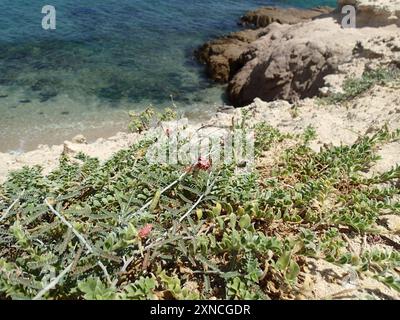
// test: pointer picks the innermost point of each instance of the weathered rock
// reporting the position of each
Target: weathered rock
(291, 62)
(222, 56)
(263, 17)
(69, 149)
(79, 139)
(386, 49)
(391, 222)
(382, 51)
(375, 13)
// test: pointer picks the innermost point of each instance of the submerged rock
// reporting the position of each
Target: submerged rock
(47, 95)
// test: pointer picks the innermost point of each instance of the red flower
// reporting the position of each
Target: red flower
(168, 132)
(145, 231)
(203, 164)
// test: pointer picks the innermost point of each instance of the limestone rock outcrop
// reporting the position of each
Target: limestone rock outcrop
(305, 59)
(263, 17)
(290, 62)
(222, 56)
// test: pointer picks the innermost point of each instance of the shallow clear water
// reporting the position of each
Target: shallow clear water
(105, 58)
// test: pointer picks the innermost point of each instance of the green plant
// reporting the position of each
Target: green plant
(141, 289)
(95, 289)
(128, 229)
(140, 122)
(353, 87)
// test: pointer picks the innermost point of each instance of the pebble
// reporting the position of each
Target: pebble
(391, 222)
(79, 139)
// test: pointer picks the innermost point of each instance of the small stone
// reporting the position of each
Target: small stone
(391, 222)
(79, 139)
(68, 149)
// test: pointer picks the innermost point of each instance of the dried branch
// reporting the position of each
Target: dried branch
(77, 234)
(80, 237)
(10, 207)
(144, 207)
(171, 185)
(54, 282)
(209, 186)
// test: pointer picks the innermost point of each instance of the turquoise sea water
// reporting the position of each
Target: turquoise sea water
(104, 58)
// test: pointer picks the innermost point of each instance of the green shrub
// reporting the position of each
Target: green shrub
(247, 234)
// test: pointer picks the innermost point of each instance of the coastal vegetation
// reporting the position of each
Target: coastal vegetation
(352, 86)
(314, 214)
(127, 229)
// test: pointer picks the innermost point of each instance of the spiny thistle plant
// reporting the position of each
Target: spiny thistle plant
(128, 229)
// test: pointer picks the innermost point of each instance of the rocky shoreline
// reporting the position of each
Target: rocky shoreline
(292, 53)
(223, 57)
(289, 64)
(335, 124)
(284, 64)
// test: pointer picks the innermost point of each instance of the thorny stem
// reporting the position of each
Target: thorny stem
(80, 237)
